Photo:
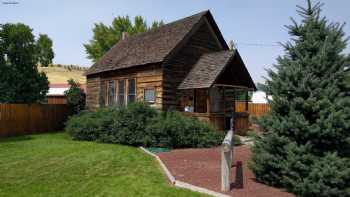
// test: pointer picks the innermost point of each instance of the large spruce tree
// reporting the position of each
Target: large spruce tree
(306, 144)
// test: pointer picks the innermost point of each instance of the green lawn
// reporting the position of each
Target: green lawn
(54, 165)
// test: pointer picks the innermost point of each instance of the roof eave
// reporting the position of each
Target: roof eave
(122, 68)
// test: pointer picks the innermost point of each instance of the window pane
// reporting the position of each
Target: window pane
(102, 94)
(150, 95)
(121, 86)
(121, 90)
(111, 93)
(131, 90)
(131, 86)
(131, 98)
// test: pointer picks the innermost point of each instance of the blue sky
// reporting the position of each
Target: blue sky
(69, 23)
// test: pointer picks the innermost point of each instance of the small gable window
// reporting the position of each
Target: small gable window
(150, 95)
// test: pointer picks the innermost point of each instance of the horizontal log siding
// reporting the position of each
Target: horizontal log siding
(92, 92)
(177, 67)
(150, 76)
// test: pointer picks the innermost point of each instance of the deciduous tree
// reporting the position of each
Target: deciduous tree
(75, 97)
(104, 36)
(44, 50)
(20, 81)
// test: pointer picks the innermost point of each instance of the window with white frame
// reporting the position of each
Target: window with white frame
(150, 95)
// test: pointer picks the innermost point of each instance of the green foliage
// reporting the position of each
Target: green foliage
(157, 24)
(242, 95)
(106, 36)
(75, 97)
(236, 140)
(172, 129)
(129, 125)
(306, 145)
(44, 50)
(139, 124)
(90, 125)
(20, 81)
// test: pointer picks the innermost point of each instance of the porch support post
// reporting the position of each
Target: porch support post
(233, 111)
(208, 101)
(194, 101)
(224, 107)
(246, 101)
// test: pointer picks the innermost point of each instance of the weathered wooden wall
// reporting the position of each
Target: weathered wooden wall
(21, 119)
(92, 92)
(177, 66)
(148, 76)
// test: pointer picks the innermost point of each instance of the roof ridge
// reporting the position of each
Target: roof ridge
(151, 46)
(202, 13)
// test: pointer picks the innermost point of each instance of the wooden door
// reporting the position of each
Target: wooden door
(201, 100)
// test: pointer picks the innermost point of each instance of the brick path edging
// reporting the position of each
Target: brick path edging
(182, 184)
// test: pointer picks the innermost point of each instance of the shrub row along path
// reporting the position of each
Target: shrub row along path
(201, 167)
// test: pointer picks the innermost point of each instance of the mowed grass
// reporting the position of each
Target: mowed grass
(54, 165)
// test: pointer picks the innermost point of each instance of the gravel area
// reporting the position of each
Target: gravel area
(201, 167)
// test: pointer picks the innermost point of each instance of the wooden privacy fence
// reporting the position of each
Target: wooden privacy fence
(21, 119)
(243, 116)
(254, 109)
(56, 99)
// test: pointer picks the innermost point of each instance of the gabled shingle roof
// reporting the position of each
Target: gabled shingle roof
(148, 47)
(206, 70)
(211, 67)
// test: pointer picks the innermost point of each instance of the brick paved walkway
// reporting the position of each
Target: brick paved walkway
(201, 167)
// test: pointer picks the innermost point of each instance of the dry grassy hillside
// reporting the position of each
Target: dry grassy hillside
(60, 74)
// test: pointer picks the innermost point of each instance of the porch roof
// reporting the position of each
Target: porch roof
(223, 67)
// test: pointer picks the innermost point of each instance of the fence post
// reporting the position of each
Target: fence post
(226, 160)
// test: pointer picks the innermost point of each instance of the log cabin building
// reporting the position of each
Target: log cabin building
(185, 65)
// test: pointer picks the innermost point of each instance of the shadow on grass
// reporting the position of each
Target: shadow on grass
(238, 184)
(16, 138)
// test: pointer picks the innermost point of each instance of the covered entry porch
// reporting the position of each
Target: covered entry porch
(211, 88)
(216, 105)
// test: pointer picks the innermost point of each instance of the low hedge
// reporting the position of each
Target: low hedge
(172, 129)
(138, 124)
(129, 124)
(90, 125)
